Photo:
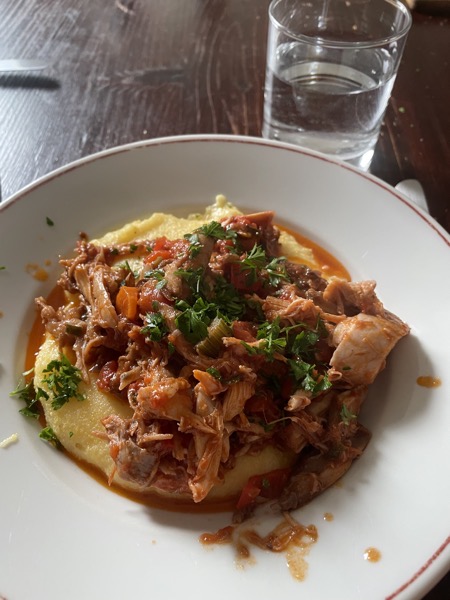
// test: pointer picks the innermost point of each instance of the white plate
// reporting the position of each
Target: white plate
(63, 535)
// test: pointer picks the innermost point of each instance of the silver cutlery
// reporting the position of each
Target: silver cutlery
(8, 65)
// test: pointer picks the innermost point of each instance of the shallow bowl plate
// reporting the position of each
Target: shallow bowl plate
(64, 535)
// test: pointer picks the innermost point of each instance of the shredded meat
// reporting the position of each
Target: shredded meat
(228, 348)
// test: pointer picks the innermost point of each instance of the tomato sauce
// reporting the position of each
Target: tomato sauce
(36, 337)
(288, 537)
(329, 264)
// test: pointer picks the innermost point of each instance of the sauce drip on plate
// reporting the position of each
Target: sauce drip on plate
(428, 381)
(372, 554)
(288, 537)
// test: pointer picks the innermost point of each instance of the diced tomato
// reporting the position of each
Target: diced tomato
(248, 495)
(240, 279)
(127, 301)
(161, 243)
(150, 293)
(106, 376)
(267, 485)
(161, 250)
(157, 256)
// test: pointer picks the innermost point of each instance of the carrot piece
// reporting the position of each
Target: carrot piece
(127, 301)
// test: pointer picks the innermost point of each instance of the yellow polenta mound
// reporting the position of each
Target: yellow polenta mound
(78, 422)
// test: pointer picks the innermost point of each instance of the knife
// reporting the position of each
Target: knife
(21, 64)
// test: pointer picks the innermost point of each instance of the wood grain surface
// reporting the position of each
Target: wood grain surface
(119, 73)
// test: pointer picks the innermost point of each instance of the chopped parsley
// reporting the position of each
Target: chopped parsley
(276, 270)
(230, 303)
(304, 344)
(31, 397)
(194, 244)
(308, 378)
(253, 263)
(274, 341)
(157, 274)
(216, 230)
(155, 327)
(49, 435)
(193, 321)
(193, 278)
(299, 349)
(62, 379)
(49, 222)
(212, 229)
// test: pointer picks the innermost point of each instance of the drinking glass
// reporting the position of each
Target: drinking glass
(331, 66)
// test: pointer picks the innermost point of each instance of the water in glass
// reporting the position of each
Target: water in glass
(335, 107)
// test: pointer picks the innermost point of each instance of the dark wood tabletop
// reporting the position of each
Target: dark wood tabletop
(120, 73)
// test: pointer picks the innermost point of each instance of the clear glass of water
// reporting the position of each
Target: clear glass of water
(331, 66)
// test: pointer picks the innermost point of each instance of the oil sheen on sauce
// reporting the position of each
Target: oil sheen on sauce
(288, 537)
(329, 264)
(56, 298)
(372, 554)
(428, 381)
(36, 272)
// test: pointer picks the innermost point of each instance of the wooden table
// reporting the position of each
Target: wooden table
(154, 68)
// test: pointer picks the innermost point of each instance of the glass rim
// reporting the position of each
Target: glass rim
(331, 43)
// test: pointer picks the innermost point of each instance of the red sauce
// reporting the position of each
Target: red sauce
(36, 337)
(329, 264)
(288, 537)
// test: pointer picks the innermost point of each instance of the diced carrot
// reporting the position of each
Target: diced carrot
(127, 301)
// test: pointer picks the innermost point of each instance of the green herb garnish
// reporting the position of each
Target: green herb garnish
(49, 435)
(194, 244)
(31, 397)
(273, 339)
(276, 269)
(308, 378)
(216, 230)
(194, 320)
(253, 263)
(157, 274)
(193, 278)
(62, 379)
(155, 327)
